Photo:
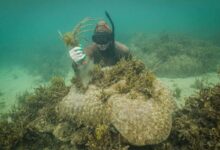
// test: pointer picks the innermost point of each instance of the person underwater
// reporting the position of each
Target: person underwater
(104, 50)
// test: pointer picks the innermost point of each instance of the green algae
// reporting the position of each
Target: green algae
(196, 126)
(129, 77)
(14, 126)
(176, 55)
(133, 72)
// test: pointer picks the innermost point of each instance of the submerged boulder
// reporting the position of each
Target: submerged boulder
(126, 96)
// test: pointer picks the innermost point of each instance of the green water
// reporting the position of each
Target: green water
(179, 40)
(30, 46)
(29, 28)
(30, 40)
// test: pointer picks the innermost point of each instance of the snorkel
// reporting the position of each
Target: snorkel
(112, 25)
(103, 33)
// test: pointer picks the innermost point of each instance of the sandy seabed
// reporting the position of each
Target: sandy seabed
(187, 85)
(14, 81)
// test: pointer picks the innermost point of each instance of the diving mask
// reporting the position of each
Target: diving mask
(102, 37)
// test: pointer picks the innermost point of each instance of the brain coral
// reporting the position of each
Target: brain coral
(142, 115)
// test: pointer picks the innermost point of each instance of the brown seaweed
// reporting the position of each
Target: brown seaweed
(197, 125)
(72, 39)
(14, 126)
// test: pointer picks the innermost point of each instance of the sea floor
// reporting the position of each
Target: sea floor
(16, 80)
(189, 86)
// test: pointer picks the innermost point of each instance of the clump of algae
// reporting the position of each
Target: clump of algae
(102, 138)
(133, 72)
(108, 90)
(41, 104)
(14, 126)
(72, 39)
(176, 55)
(197, 125)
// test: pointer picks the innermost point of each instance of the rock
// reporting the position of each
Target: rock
(141, 119)
(85, 108)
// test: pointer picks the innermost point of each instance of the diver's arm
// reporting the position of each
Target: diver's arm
(78, 57)
(75, 68)
(81, 57)
(122, 50)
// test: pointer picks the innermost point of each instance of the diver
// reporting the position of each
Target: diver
(104, 50)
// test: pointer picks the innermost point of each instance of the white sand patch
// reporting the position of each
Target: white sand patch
(15, 80)
(187, 85)
(68, 77)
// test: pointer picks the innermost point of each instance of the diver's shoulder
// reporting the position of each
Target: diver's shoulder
(121, 47)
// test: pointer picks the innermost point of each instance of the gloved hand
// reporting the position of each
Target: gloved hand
(77, 54)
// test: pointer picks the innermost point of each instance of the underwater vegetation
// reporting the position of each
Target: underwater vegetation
(200, 83)
(15, 128)
(37, 124)
(2, 104)
(216, 38)
(177, 92)
(173, 55)
(133, 72)
(126, 100)
(197, 125)
(73, 38)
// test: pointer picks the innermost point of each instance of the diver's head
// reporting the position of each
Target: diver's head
(102, 35)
